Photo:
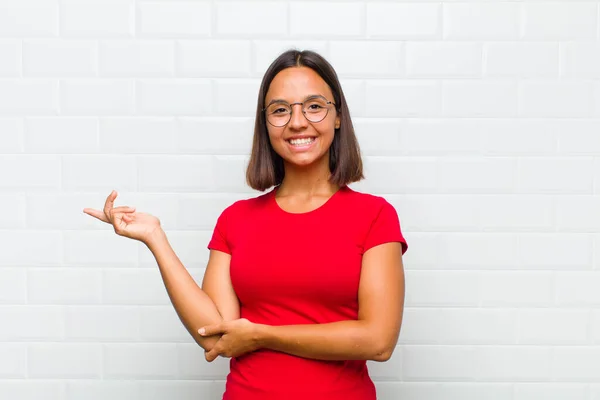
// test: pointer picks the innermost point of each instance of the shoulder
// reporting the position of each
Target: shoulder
(366, 201)
(247, 205)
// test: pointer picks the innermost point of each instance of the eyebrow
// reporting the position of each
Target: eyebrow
(285, 101)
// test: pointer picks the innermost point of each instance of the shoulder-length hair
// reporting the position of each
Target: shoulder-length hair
(265, 168)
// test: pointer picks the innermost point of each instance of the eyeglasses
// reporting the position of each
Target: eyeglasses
(314, 109)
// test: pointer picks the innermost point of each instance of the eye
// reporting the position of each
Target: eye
(279, 110)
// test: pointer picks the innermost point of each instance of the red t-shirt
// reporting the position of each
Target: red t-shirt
(290, 269)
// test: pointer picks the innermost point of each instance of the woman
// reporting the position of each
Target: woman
(305, 282)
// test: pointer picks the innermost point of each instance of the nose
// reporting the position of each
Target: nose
(297, 119)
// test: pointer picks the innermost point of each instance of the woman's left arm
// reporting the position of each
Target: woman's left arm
(372, 337)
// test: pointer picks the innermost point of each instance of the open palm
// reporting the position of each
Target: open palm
(126, 221)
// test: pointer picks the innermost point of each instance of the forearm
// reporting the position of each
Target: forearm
(343, 340)
(194, 307)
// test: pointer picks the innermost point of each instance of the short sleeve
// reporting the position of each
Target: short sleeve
(218, 240)
(385, 228)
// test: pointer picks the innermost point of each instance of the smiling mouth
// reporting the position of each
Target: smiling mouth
(301, 142)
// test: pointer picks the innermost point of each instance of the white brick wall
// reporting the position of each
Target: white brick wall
(484, 113)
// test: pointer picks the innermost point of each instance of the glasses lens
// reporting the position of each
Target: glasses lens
(278, 114)
(315, 109)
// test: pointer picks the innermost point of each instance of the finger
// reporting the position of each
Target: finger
(109, 204)
(96, 214)
(211, 330)
(123, 209)
(211, 355)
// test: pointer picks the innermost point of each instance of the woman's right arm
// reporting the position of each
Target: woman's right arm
(194, 306)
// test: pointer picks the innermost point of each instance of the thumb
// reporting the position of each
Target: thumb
(211, 330)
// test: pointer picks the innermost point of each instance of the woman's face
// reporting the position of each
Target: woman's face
(295, 85)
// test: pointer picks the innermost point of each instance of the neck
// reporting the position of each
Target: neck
(307, 180)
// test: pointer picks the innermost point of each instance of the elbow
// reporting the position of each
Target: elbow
(383, 354)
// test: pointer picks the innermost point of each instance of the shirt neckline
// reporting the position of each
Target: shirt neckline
(327, 203)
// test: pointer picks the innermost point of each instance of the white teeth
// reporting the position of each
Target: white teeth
(297, 142)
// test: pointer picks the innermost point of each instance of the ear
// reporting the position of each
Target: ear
(337, 122)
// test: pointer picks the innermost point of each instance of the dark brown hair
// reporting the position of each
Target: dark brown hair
(265, 168)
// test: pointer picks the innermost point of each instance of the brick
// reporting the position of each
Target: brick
(161, 324)
(580, 60)
(144, 361)
(30, 389)
(99, 97)
(576, 363)
(403, 21)
(174, 97)
(458, 326)
(513, 363)
(553, 251)
(437, 289)
(443, 59)
(97, 18)
(447, 213)
(553, 326)
(560, 175)
(514, 137)
(517, 288)
(11, 140)
(390, 370)
(560, 21)
(266, 51)
(192, 364)
(213, 58)
(354, 91)
(179, 389)
(444, 390)
(102, 323)
(481, 21)
(185, 245)
(521, 60)
(16, 219)
(32, 323)
(17, 19)
(236, 97)
(214, 135)
(479, 98)
(13, 286)
(551, 391)
(88, 248)
(176, 173)
(379, 137)
(439, 362)
(327, 19)
(167, 19)
(579, 137)
(423, 260)
(63, 286)
(411, 98)
(30, 248)
(251, 19)
(472, 250)
(98, 173)
(13, 363)
(61, 135)
(230, 173)
(422, 178)
(102, 390)
(578, 288)
(556, 99)
(10, 57)
(138, 135)
(30, 172)
(130, 286)
(68, 211)
(577, 214)
(64, 360)
(512, 213)
(50, 58)
(377, 58)
(476, 175)
(120, 58)
(28, 97)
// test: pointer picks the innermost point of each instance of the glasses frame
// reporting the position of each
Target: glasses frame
(327, 102)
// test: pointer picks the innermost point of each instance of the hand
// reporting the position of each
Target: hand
(239, 337)
(125, 220)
